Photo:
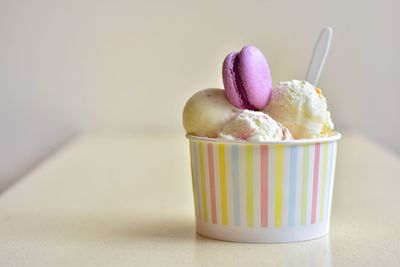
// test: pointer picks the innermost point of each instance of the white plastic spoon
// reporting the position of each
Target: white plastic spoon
(319, 55)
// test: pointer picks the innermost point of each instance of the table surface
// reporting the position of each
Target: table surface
(125, 200)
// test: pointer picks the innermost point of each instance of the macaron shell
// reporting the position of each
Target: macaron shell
(255, 75)
(228, 76)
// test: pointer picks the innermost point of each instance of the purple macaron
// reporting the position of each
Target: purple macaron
(247, 78)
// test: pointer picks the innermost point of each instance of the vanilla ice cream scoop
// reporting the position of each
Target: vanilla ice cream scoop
(206, 112)
(254, 126)
(300, 107)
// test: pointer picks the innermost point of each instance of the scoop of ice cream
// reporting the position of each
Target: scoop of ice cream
(206, 112)
(254, 126)
(300, 107)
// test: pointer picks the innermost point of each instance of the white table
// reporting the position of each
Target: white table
(125, 200)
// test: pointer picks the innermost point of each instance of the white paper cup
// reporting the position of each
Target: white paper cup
(263, 192)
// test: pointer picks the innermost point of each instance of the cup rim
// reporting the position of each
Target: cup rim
(335, 136)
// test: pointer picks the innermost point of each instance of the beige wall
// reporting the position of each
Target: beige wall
(130, 65)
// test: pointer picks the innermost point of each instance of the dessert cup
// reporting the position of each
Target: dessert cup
(263, 192)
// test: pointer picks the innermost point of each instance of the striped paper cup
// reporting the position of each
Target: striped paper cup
(263, 192)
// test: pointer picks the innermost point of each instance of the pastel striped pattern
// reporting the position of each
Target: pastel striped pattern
(212, 182)
(222, 175)
(193, 169)
(292, 185)
(203, 183)
(249, 186)
(235, 182)
(278, 185)
(305, 181)
(262, 186)
(315, 183)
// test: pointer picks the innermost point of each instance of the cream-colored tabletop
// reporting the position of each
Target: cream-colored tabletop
(125, 200)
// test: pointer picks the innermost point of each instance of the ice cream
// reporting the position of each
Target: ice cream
(206, 112)
(254, 126)
(301, 108)
(252, 153)
(294, 109)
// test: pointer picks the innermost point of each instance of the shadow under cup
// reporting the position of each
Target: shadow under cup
(263, 192)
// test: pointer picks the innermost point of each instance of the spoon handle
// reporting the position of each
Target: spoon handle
(319, 55)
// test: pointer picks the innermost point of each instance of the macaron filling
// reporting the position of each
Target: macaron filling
(238, 82)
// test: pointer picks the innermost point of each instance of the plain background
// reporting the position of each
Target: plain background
(68, 67)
